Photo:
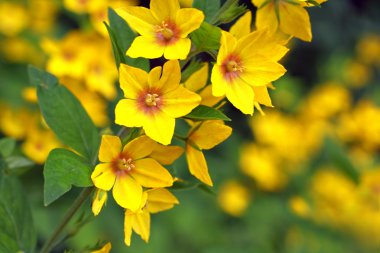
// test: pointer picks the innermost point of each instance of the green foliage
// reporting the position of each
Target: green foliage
(121, 37)
(65, 115)
(203, 112)
(207, 37)
(209, 8)
(228, 12)
(17, 233)
(7, 145)
(63, 169)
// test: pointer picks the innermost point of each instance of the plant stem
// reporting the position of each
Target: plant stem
(49, 244)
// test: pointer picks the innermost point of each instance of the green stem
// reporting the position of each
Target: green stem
(49, 244)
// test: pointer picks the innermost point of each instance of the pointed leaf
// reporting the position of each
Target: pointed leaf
(203, 112)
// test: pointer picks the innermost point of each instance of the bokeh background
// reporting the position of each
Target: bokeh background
(303, 178)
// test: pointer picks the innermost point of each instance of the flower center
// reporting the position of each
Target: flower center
(152, 99)
(125, 164)
(166, 33)
(232, 67)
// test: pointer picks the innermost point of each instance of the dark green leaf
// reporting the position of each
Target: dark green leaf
(207, 37)
(62, 170)
(203, 112)
(228, 12)
(66, 116)
(7, 145)
(17, 232)
(123, 36)
(209, 7)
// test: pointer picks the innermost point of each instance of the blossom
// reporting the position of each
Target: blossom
(234, 198)
(129, 169)
(204, 135)
(98, 201)
(153, 201)
(163, 29)
(244, 63)
(154, 100)
(290, 17)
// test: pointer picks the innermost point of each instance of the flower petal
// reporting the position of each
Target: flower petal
(141, 224)
(178, 50)
(160, 127)
(188, 20)
(218, 82)
(110, 147)
(242, 26)
(198, 79)
(166, 155)
(241, 96)
(179, 102)
(207, 98)
(139, 19)
(170, 78)
(266, 18)
(149, 173)
(197, 165)
(210, 133)
(262, 95)
(129, 219)
(132, 80)
(146, 47)
(127, 192)
(128, 114)
(154, 76)
(140, 147)
(227, 46)
(164, 11)
(160, 199)
(260, 71)
(295, 20)
(103, 176)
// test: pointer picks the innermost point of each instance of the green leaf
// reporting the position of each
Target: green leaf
(203, 112)
(186, 185)
(339, 156)
(207, 37)
(62, 170)
(228, 12)
(17, 233)
(7, 145)
(65, 115)
(209, 7)
(17, 165)
(122, 37)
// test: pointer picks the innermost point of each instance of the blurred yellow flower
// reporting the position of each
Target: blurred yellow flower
(153, 201)
(299, 206)
(83, 6)
(128, 169)
(245, 63)
(154, 100)
(234, 198)
(202, 136)
(163, 29)
(11, 25)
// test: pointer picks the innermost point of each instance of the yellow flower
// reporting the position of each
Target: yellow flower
(98, 201)
(128, 169)
(245, 63)
(163, 28)
(204, 135)
(241, 28)
(292, 17)
(234, 198)
(153, 201)
(105, 249)
(197, 83)
(299, 206)
(154, 100)
(12, 121)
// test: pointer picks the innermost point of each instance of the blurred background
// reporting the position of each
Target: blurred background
(303, 178)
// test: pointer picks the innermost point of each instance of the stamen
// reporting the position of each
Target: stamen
(151, 99)
(233, 66)
(126, 164)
